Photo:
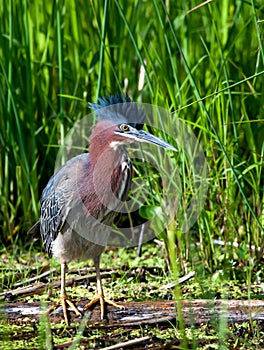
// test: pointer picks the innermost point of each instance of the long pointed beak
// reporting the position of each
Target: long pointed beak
(144, 136)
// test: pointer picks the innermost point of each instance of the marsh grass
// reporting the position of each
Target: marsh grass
(205, 63)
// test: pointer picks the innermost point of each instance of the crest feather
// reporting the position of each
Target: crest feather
(119, 109)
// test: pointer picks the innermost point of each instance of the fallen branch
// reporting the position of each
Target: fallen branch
(158, 312)
(40, 288)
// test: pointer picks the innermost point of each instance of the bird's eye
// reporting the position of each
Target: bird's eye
(124, 127)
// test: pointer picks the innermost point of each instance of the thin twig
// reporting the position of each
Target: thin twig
(198, 6)
(127, 343)
(33, 279)
(180, 280)
(112, 347)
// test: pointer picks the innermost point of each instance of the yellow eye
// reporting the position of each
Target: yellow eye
(124, 127)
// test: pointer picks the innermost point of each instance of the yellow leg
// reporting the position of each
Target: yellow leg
(64, 299)
(100, 296)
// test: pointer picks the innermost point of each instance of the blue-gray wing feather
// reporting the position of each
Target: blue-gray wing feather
(58, 197)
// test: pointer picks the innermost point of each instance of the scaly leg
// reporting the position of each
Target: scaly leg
(100, 295)
(64, 299)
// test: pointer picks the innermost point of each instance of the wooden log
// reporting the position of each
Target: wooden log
(134, 313)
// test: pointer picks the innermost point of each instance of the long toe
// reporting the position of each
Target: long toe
(103, 301)
(63, 301)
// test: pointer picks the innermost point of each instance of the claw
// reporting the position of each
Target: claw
(100, 298)
(63, 301)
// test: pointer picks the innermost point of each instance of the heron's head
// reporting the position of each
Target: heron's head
(120, 121)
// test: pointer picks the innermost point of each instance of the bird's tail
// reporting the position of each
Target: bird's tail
(34, 230)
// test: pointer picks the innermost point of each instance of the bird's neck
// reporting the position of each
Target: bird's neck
(106, 155)
(109, 175)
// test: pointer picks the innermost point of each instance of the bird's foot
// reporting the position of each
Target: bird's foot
(64, 299)
(100, 298)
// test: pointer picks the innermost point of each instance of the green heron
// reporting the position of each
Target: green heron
(77, 196)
